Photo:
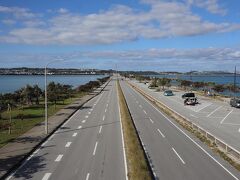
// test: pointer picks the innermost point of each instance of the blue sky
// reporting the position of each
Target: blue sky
(160, 35)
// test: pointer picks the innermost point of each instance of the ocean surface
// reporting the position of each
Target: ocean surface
(219, 79)
(11, 83)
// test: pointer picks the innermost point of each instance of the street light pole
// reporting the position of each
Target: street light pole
(46, 101)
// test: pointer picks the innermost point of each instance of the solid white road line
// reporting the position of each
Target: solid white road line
(214, 111)
(144, 111)
(103, 118)
(83, 121)
(87, 177)
(100, 130)
(178, 155)
(46, 176)
(79, 127)
(59, 158)
(95, 148)
(68, 144)
(74, 134)
(161, 133)
(151, 120)
(226, 116)
(194, 142)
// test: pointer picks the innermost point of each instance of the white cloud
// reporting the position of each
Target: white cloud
(211, 5)
(155, 59)
(8, 21)
(119, 24)
(63, 10)
(19, 13)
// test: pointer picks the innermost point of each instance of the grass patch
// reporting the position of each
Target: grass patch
(137, 165)
(32, 115)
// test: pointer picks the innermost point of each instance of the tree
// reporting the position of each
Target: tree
(186, 83)
(218, 88)
(28, 94)
(153, 82)
(198, 85)
(52, 93)
(164, 82)
(37, 92)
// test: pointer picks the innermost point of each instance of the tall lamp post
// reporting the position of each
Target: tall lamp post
(46, 101)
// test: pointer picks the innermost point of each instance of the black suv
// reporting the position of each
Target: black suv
(188, 95)
(235, 102)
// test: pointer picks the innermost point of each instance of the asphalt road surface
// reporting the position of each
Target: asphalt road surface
(174, 153)
(216, 117)
(89, 146)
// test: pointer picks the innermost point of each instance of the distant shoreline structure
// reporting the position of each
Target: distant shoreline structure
(52, 71)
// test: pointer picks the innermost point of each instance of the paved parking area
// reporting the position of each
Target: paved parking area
(219, 118)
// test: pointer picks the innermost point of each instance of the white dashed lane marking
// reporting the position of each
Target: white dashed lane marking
(68, 144)
(95, 148)
(178, 155)
(87, 177)
(74, 134)
(59, 158)
(161, 133)
(46, 176)
(100, 130)
(151, 120)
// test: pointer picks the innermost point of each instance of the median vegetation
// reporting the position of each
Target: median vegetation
(23, 109)
(137, 163)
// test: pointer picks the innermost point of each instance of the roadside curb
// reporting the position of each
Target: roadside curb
(13, 169)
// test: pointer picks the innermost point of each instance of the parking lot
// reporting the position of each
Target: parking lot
(215, 116)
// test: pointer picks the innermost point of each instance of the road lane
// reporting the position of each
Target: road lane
(79, 149)
(168, 152)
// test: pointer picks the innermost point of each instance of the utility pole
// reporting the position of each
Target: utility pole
(234, 84)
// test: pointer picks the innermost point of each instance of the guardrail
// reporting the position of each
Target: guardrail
(229, 150)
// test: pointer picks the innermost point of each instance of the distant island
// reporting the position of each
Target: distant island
(52, 71)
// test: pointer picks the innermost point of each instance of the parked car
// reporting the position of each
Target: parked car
(168, 93)
(188, 95)
(235, 102)
(190, 101)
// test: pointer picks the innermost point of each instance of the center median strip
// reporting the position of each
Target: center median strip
(138, 165)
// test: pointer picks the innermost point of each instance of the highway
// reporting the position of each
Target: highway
(174, 153)
(89, 146)
(215, 116)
